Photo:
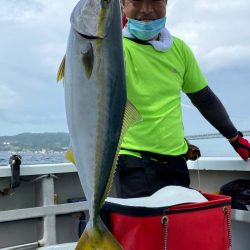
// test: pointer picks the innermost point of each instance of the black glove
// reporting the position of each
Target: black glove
(241, 146)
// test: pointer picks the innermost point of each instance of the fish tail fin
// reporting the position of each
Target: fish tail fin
(60, 73)
(97, 237)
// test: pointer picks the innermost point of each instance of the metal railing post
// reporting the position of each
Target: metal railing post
(45, 197)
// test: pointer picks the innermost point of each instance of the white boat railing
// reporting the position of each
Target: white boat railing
(23, 246)
(48, 211)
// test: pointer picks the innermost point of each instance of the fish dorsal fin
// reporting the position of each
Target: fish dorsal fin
(60, 73)
(70, 156)
(131, 116)
(88, 60)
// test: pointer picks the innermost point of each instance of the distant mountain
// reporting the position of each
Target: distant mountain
(35, 142)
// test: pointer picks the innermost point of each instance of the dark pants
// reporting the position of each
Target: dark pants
(139, 177)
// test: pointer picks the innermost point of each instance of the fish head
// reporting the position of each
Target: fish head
(92, 18)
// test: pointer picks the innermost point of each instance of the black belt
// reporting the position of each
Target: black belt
(154, 156)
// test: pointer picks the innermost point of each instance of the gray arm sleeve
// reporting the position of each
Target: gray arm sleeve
(213, 110)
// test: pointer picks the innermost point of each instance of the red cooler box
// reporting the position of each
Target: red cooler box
(196, 226)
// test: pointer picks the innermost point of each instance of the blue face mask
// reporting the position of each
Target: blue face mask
(146, 30)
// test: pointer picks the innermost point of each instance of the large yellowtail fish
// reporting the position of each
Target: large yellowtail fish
(97, 109)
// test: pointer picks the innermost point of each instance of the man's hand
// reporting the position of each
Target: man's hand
(241, 146)
(193, 152)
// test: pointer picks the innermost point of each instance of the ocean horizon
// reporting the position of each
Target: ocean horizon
(218, 147)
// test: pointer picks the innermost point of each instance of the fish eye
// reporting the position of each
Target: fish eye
(106, 2)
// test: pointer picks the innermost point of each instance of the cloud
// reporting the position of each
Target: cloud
(226, 57)
(8, 97)
(220, 6)
(34, 37)
(33, 42)
(20, 10)
(215, 32)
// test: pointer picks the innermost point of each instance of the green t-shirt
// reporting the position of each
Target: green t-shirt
(154, 84)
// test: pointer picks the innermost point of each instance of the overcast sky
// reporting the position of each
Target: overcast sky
(33, 42)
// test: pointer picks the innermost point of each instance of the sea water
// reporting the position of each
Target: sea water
(30, 158)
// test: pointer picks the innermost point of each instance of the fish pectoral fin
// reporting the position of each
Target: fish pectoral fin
(88, 60)
(70, 156)
(97, 237)
(60, 73)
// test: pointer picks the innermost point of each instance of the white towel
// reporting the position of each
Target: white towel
(165, 197)
(163, 45)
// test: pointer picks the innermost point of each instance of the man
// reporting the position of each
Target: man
(158, 68)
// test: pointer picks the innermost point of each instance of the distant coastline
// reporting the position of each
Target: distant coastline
(38, 143)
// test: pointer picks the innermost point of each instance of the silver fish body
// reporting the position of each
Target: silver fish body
(95, 101)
